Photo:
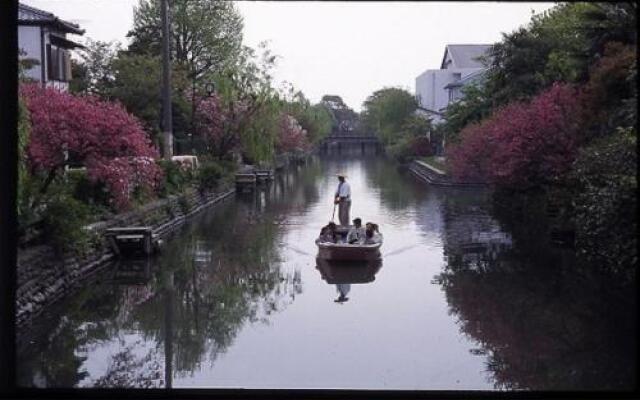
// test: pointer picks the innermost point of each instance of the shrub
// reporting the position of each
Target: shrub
(420, 147)
(183, 203)
(209, 175)
(401, 150)
(87, 191)
(523, 144)
(64, 221)
(174, 178)
(606, 203)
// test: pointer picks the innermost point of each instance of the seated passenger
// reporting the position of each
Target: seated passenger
(372, 234)
(328, 233)
(356, 234)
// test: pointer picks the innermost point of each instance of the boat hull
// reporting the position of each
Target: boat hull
(348, 252)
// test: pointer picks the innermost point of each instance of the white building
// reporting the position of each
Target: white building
(42, 38)
(461, 65)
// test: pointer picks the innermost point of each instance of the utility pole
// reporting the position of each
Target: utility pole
(167, 124)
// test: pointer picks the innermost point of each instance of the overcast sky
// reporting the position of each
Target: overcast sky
(347, 49)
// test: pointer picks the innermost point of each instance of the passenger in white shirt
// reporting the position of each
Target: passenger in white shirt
(343, 200)
(357, 233)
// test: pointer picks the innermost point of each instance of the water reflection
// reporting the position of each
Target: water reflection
(344, 273)
(237, 299)
(147, 321)
(538, 320)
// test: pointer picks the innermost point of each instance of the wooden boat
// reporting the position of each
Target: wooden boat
(345, 251)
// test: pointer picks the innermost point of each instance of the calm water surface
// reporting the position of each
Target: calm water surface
(465, 298)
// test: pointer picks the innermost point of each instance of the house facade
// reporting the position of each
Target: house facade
(42, 38)
(461, 65)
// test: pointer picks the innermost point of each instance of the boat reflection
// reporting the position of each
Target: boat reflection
(344, 273)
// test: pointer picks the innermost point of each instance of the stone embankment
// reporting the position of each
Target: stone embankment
(43, 277)
(435, 176)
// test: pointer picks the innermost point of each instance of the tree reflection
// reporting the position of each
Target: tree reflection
(541, 323)
(395, 194)
(152, 323)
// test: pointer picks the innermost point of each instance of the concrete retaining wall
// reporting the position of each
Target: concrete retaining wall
(434, 176)
(44, 278)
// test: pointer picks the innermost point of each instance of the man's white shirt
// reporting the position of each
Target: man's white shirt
(344, 190)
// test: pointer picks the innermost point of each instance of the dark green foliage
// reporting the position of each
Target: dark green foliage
(550, 49)
(175, 179)
(96, 73)
(209, 175)
(183, 203)
(135, 85)
(473, 107)
(81, 188)
(606, 203)
(316, 119)
(79, 77)
(401, 150)
(609, 22)
(64, 220)
(386, 111)
(206, 34)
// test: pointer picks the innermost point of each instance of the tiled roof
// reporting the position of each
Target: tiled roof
(466, 55)
(34, 16)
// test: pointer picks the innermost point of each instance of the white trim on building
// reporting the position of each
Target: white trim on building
(42, 38)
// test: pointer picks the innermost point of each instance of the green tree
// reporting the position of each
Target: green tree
(97, 71)
(341, 115)
(474, 106)
(206, 37)
(416, 126)
(386, 111)
(79, 77)
(315, 119)
(609, 22)
(206, 34)
(551, 48)
(250, 103)
(136, 85)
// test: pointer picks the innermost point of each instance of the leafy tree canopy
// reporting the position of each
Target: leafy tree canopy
(386, 111)
(206, 34)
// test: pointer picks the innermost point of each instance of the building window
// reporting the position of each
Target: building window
(58, 64)
(457, 76)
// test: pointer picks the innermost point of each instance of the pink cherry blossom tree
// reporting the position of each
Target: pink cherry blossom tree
(291, 135)
(103, 136)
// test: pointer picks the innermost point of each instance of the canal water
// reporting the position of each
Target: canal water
(466, 297)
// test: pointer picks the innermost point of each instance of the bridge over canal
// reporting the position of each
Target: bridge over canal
(340, 142)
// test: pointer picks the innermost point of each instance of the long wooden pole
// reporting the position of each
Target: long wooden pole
(167, 124)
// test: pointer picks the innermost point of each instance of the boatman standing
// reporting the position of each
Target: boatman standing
(343, 200)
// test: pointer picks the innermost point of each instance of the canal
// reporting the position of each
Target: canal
(466, 297)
